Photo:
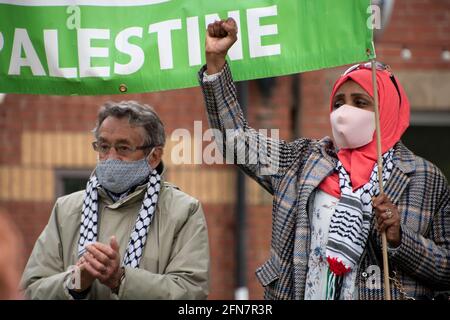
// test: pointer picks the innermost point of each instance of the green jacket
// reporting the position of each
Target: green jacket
(175, 263)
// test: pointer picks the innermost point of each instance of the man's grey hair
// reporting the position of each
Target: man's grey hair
(139, 115)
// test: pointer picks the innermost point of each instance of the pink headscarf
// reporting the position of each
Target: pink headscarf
(394, 120)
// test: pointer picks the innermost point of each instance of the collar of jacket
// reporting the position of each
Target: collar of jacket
(404, 165)
(320, 163)
(404, 159)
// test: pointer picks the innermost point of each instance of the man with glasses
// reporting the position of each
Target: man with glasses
(130, 234)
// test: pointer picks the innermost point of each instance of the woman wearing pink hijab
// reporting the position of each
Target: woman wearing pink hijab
(328, 213)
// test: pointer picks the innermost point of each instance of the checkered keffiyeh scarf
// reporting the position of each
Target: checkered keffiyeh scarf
(89, 219)
(350, 224)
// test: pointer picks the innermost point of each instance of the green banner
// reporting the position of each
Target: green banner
(88, 47)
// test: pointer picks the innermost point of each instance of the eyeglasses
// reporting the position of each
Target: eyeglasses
(121, 149)
(378, 66)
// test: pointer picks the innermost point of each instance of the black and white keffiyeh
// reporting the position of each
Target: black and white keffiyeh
(138, 237)
(350, 223)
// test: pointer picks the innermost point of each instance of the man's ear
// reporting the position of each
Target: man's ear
(155, 157)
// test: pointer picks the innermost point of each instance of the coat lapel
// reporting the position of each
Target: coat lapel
(319, 166)
(404, 164)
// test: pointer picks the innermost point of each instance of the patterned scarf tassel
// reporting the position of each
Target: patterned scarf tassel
(331, 289)
(334, 285)
(335, 275)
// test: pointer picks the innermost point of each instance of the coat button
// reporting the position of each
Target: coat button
(364, 274)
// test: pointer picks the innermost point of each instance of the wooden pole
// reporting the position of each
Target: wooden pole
(387, 289)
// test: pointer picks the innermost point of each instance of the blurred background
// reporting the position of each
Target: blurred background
(45, 141)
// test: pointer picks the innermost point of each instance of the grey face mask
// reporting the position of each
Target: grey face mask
(118, 176)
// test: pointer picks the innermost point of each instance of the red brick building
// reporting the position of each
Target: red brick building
(45, 140)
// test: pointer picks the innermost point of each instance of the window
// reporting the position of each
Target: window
(69, 181)
(429, 137)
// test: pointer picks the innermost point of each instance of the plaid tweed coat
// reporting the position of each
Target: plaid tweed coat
(419, 267)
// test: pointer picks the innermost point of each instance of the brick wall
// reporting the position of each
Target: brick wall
(40, 134)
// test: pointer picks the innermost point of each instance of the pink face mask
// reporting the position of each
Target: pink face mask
(352, 127)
